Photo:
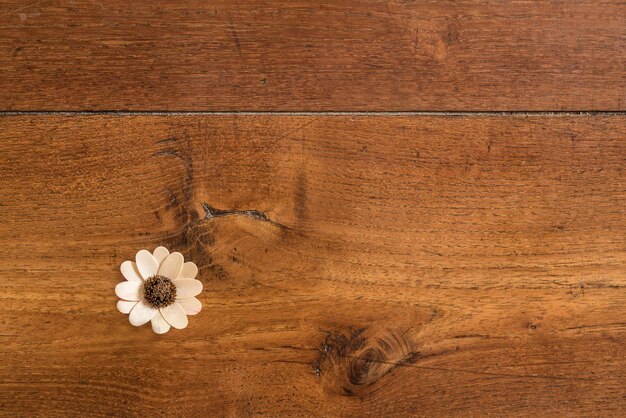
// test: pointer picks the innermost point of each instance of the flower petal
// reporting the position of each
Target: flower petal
(172, 266)
(160, 253)
(129, 290)
(130, 272)
(175, 315)
(191, 306)
(189, 271)
(159, 324)
(186, 288)
(125, 306)
(146, 264)
(142, 313)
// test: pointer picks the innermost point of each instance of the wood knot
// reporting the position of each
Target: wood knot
(351, 362)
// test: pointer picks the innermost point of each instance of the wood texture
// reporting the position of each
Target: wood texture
(313, 55)
(402, 266)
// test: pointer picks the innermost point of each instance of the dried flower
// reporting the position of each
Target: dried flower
(159, 287)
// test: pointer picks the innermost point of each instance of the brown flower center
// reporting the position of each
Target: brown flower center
(159, 291)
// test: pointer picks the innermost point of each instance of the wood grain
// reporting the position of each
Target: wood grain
(395, 266)
(313, 55)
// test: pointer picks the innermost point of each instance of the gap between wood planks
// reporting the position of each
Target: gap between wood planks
(565, 113)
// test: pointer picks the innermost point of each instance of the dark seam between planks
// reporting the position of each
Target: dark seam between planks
(307, 113)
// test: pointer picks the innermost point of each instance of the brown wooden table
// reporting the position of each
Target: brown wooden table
(397, 208)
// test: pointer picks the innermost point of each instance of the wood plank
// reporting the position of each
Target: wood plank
(403, 266)
(313, 55)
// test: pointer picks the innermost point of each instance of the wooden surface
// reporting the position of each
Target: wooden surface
(355, 264)
(304, 55)
(407, 266)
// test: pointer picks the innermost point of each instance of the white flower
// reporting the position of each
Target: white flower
(160, 287)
